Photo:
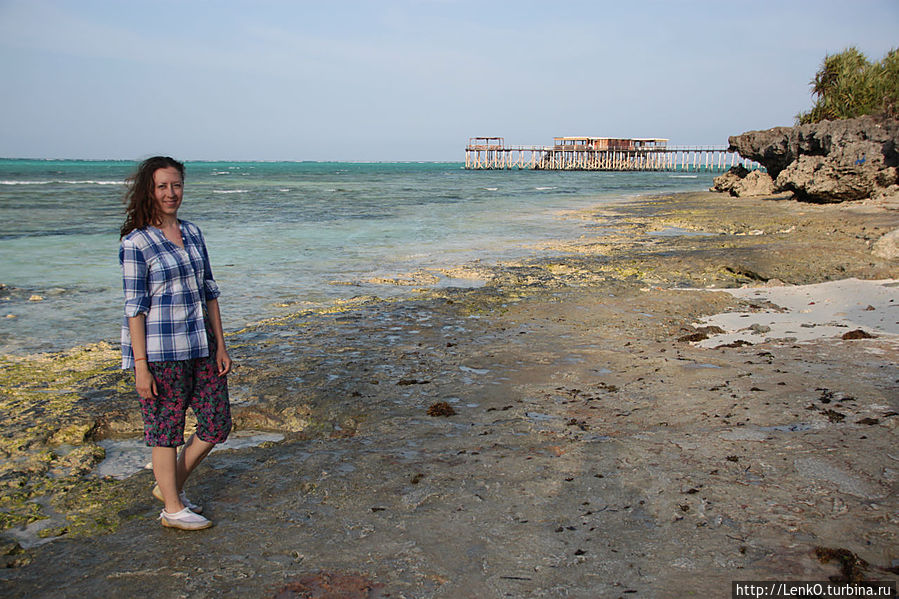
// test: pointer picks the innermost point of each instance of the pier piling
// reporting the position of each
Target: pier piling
(599, 154)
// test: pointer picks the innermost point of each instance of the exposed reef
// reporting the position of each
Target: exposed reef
(563, 430)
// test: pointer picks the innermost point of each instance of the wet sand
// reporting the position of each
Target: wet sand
(597, 448)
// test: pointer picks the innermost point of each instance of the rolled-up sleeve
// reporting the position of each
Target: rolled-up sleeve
(210, 287)
(134, 279)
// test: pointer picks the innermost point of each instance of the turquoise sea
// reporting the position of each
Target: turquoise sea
(282, 236)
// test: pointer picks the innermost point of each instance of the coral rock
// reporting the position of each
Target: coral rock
(830, 161)
(887, 247)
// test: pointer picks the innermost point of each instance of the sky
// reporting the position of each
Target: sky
(407, 80)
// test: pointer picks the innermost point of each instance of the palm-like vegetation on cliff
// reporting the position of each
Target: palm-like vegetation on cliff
(848, 85)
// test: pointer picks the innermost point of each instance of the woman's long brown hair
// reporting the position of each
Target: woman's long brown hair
(140, 208)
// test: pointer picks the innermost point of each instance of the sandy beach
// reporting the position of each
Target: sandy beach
(656, 410)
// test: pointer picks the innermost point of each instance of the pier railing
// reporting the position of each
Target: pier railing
(570, 158)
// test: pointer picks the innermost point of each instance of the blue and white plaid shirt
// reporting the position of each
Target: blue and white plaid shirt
(171, 286)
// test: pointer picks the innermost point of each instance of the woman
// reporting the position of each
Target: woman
(172, 334)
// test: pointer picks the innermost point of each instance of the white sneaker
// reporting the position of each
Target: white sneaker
(197, 509)
(185, 520)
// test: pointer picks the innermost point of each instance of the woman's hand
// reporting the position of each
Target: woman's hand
(146, 384)
(223, 360)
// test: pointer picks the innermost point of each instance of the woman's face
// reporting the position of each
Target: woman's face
(167, 191)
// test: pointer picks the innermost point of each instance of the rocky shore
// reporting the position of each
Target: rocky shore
(831, 161)
(561, 431)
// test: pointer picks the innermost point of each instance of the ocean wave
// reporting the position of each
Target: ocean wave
(684, 176)
(61, 181)
(544, 188)
(227, 191)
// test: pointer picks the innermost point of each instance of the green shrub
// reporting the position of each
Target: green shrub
(848, 85)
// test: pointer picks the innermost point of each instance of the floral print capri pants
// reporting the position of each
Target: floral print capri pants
(181, 384)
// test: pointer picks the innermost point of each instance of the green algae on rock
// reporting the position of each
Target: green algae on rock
(48, 419)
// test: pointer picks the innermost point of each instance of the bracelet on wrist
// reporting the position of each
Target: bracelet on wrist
(136, 360)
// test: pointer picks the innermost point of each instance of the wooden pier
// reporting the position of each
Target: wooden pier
(599, 154)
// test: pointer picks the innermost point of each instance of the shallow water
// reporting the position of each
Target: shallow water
(125, 457)
(282, 236)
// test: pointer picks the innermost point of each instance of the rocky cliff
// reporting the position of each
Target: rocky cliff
(830, 161)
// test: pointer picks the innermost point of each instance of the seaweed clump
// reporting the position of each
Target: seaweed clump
(441, 408)
(852, 567)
